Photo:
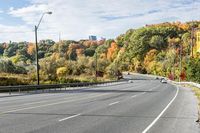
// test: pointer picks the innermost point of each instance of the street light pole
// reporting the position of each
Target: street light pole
(36, 48)
(37, 63)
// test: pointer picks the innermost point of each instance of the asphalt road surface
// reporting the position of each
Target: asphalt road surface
(138, 107)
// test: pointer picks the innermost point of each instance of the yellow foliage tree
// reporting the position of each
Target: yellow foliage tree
(61, 72)
(149, 58)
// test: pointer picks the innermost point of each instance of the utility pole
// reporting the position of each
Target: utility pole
(96, 67)
(193, 40)
(174, 67)
(180, 54)
(59, 36)
(174, 62)
(192, 33)
(116, 70)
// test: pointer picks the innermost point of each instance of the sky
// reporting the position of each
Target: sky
(77, 19)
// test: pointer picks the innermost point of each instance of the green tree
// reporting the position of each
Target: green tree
(157, 42)
(193, 70)
(1, 49)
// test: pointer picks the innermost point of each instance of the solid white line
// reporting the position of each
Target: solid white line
(158, 117)
(113, 103)
(69, 117)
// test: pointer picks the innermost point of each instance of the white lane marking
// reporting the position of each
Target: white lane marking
(69, 117)
(50, 104)
(40, 95)
(29, 104)
(26, 96)
(158, 117)
(134, 96)
(144, 92)
(57, 102)
(113, 103)
(140, 94)
(44, 101)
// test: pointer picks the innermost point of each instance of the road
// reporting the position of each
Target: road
(138, 107)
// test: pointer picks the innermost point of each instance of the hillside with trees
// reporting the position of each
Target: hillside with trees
(161, 49)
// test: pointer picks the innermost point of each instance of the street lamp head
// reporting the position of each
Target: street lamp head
(48, 12)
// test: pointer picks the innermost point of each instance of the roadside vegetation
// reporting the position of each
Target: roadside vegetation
(154, 49)
(197, 93)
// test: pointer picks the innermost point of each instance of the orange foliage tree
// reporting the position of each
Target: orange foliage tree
(79, 52)
(31, 49)
(112, 51)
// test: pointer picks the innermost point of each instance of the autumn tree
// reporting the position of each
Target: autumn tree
(112, 51)
(149, 60)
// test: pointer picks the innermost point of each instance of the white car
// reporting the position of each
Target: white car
(130, 81)
(163, 80)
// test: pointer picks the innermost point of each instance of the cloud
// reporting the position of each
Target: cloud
(77, 19)
(14, 33)
(28, 14)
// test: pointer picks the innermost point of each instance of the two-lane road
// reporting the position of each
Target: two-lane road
(142, 106)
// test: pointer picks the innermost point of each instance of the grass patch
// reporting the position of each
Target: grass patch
(197, 93)
(13, 79)
(7, 79)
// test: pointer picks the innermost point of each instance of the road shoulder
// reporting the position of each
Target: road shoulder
(181, 116)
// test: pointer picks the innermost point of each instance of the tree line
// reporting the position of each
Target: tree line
(162, 49)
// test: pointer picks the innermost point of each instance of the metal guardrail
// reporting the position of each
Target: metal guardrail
(20, 88)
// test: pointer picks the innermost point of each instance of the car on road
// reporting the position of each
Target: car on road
(163, 80)
(130, 81)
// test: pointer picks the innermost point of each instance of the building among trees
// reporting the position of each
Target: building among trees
(92, 38)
